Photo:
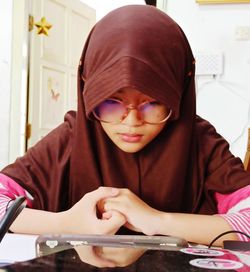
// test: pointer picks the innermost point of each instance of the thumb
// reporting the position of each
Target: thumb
(114, 220)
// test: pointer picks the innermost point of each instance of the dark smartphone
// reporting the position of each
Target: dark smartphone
(11, 213)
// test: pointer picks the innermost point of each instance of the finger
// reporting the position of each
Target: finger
(115, 204)
(102, 192)
(122, 256)
(100, 258)
(106, 215)
(89, 256)
(115, 221)
(131, 227)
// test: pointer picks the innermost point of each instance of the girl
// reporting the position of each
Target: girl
(162, 169)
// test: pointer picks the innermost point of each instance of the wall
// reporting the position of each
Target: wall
(5, 69)
(103, 7)
(19, 69)
(224, 100)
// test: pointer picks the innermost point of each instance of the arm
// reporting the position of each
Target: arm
(235, 209)
(31, 221)
(197, 228)
(80, 219)
(201, 229)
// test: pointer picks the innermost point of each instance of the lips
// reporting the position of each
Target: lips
(130, 138)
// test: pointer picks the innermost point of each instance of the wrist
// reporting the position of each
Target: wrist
(163, 223)
(62, 222)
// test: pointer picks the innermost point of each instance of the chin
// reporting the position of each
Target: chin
(129, 148)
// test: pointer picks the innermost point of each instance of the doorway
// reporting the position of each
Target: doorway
(53, 61)
(46, 86)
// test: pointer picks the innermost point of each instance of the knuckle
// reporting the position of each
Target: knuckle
(87, 195)
(100, 188)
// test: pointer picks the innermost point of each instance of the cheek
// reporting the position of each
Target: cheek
(108, 129)
(153, 131)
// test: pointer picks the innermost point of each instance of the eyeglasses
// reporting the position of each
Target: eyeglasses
(115, 111)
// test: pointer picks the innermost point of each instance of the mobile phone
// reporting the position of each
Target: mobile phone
(51, 243)
(11, 213)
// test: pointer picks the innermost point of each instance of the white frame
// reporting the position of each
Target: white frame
(19, 80)
(162, 5)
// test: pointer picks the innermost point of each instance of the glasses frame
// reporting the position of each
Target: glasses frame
(128, 109)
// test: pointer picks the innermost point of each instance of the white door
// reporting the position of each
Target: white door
(54, 60)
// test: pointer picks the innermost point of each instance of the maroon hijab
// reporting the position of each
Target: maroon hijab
(141, 47)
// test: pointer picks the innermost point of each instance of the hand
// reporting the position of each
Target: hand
(108, 256)
(82, 217)
(140, 216)
(90, 255)
(121, 257)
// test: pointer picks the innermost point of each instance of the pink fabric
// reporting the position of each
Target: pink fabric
(226, 202)
(239, 219)
(4, 200)
(10, 189)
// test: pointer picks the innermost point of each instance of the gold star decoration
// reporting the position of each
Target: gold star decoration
(43, 27)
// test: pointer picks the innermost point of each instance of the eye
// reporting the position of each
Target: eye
(154, 103)
(115, 98)
(111, 102)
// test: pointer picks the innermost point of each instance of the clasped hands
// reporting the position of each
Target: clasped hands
(139, 216)
(115, 208)
(104, 211)
(108, 256)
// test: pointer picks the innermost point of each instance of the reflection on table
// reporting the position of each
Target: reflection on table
(98, 258)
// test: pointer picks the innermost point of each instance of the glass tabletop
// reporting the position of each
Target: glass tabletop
(99, 258)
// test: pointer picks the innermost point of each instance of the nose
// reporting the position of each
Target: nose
(132, 118)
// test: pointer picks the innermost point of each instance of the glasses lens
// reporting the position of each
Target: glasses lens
(110, 111)
(153, 112)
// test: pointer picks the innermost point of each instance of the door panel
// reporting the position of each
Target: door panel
(72, 95)
(76, 47)
(54, 47)
(53, 62)
(52, 96)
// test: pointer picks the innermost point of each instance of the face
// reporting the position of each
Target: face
(132, 133)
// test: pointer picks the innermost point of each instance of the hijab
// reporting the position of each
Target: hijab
(141, 47)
